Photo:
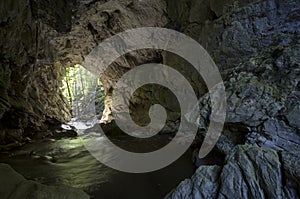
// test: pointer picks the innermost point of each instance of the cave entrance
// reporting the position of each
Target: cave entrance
(84, 92)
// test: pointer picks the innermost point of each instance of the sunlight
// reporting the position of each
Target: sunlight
(81, 88)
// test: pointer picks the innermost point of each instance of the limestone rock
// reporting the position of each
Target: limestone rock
(29, 89)
(99, 20)
(262, 103)
(249, 172)
(234, 31)
(201, 185)
(13, 185)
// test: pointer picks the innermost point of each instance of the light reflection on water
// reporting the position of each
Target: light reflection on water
(73, 165)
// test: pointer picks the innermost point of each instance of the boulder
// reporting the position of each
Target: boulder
(15, 186)
(249, 172)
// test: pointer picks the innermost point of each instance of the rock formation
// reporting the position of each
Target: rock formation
(249, 172)
(255, 44)
(13, 185)
(40, 39)
(30, 81)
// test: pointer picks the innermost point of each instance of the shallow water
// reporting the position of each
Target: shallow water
(73, 165)
(67, 161)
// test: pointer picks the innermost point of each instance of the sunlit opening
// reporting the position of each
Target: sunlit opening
(83, 89)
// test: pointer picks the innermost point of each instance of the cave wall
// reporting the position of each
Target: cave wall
(41, 38)
(236, 30)
(255, 44)
(96, 21)
(29, 83)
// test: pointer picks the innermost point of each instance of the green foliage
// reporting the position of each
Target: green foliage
(81, 88)
(99, 99)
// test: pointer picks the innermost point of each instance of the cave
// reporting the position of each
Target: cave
(117, 99)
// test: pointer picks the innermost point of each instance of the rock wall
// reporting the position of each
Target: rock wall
(41, 38)
(236, 30)
(49, 36)
(249, 172)
(255, 44)
(262, 102)
(96, 21)
(15, 185)
(29, 84)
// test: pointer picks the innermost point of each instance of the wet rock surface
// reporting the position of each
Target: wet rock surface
(67, 162)
(255, 44)
(261, 103)
(30, 94)
(13, 185)
(249, 172)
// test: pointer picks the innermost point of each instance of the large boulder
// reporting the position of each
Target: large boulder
(249, 172)
(15, 186)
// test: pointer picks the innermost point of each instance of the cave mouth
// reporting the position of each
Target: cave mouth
(84, 92)
(255, 45)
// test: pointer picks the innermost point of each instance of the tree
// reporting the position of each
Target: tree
(81, 88)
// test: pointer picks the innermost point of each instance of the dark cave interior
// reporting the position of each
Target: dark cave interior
(51, 108)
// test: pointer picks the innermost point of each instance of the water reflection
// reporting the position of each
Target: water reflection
(66, 161)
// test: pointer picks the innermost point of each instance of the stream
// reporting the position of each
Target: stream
(67, 161)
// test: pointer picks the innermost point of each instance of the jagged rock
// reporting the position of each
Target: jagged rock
(262, 103)
(15, 186)
(204, 179)
(236, 30)
(249, 172)
(100, 20)
(255, 45)
(29, 90)
(293, 116)
(40, 38)
(291, 175)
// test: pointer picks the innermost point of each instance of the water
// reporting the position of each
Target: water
(67, 161)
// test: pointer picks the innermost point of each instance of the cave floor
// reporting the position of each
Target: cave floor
(66, 161)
